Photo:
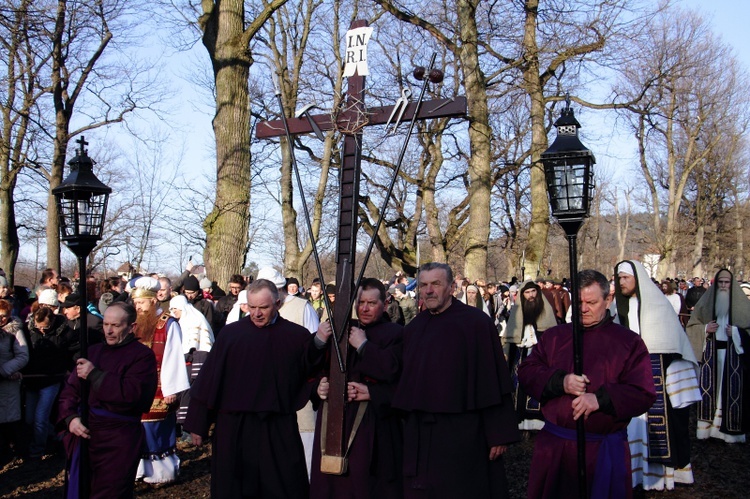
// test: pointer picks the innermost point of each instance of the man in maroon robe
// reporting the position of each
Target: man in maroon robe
(617, 385)
(455, 391)
(122, 377)
(251, 386)
(374, 363)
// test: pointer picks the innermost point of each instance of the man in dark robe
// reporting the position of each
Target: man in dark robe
(616, 385)
(122, 378)
(374, 456)
(455, 391)
(251, 386)
(660, 438)
(719, 330)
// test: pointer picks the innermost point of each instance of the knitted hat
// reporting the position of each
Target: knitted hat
(191, 284)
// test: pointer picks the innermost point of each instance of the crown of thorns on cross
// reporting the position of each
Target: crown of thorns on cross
(349, 118)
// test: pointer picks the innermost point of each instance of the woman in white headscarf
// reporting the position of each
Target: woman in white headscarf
(196, 332)
(239, 309)
(473, 297)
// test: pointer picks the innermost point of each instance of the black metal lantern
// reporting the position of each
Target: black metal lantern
(81, 201)
(567, 168)
(569, 174)
(81, 204)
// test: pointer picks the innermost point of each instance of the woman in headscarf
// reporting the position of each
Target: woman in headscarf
(239, 309)
(197, 334)
(473, 297)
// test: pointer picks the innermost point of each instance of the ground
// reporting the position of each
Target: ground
(721, 470)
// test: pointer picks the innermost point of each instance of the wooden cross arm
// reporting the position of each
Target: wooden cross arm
(440, 108)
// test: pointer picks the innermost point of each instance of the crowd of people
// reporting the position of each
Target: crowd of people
(441, 374)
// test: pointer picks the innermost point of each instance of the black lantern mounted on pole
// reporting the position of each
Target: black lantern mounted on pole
(81, 201)
(568, 170)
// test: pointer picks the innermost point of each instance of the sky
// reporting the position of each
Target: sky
(192, 111)
(729, 19)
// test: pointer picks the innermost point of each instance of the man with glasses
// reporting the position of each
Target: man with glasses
(225, 303)
(718, 331)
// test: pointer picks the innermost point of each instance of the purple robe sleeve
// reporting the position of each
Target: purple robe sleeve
(133, 386)
(634, 392)
(536, 370)
(68, 402)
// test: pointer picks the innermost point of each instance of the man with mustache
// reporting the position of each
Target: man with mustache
(160, 332)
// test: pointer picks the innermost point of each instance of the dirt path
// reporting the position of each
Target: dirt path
(721, 471)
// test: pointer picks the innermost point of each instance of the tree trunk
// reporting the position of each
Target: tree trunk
(740, 235)
(8, 231)
(539, 227)
(227, 225)
(697, 260)
(480, 135)
(56, 175)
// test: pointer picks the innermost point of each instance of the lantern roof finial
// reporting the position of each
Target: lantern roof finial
(82, 143)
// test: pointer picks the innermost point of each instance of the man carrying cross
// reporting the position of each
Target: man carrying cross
(372, 430)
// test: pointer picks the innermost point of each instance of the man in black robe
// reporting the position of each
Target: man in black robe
(251, 386)
(455, 391)
(374, 363)
(122, 377)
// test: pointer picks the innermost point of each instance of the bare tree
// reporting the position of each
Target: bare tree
(622, 220)
(533, 53)
(81, 34)
(687, 76)
(24, 60)
(288, 36)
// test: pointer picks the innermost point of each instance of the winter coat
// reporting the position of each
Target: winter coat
(14, 354)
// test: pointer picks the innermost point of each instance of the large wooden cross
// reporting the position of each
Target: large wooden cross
(351, 121)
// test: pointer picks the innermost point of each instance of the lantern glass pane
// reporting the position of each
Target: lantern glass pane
(82, 216)
(567, 186)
